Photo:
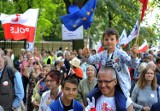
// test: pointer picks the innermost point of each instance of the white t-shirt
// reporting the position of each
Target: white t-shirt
(45, 100)
(108, 103)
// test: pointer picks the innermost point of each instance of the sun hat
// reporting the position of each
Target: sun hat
(75, 62)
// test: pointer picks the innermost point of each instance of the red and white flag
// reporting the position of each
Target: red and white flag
(143, 47)
(134, 33)
(21, 26)
(100, 46)
(123, 38)
(144, 7)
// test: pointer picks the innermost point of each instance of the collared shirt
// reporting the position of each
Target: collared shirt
(18, 88)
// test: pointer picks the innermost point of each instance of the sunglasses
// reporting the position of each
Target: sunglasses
(35, 63)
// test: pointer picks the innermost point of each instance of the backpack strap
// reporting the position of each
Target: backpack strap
(158, 93)
(11, 72)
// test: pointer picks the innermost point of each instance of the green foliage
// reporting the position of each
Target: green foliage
(119, 14)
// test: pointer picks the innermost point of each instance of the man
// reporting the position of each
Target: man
(26, 63)
(112, 54)
(11, 92)
(67, 102)
(111, 97)
(80, 54)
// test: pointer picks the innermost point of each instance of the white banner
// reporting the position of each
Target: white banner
(72, 35)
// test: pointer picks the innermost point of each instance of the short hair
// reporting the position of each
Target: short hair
(92, 68)
(93, 50)
(106, 68)
(142, 82)
(111, 31)
(60, 48)
(70, 79)
(2, 53)
(55, 75)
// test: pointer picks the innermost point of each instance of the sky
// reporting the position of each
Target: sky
(150, 17)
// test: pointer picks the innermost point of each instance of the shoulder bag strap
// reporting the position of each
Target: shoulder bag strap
(158, 93)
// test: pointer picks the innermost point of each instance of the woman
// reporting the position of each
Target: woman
(76, 69)
(40, 88)
(86, 85)
(34, 76)
(145, 92)
(53, 81)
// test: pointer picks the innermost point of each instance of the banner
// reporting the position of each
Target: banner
(21, 26)
(72, 35)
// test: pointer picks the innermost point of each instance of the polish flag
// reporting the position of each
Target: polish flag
(20, 26)
(143, 47)
(100, 46)
(144, 7)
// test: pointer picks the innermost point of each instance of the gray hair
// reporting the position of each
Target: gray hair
(2, 53)
(92, 67)
(106, 68)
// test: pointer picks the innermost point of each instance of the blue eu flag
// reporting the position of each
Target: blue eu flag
(83, 16)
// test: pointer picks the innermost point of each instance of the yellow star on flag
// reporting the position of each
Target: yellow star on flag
(84, 18)
(74, 26)
(88, 13)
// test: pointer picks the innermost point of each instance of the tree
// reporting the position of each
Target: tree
(118, 14)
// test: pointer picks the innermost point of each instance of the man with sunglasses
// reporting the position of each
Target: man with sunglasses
(111, 97)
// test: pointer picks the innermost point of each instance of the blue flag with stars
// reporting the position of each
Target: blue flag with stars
(83, 16)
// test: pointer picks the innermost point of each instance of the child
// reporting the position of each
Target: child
(117, 57)
(67, 101)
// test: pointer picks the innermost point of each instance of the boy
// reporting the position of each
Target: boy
(67, 101)
(118, 58)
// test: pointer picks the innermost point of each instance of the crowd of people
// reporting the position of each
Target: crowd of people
(66, 80)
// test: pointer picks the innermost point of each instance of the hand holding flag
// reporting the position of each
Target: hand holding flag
(134, 51)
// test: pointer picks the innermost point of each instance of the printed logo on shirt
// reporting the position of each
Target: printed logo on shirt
(117, 66)
(106, 107)
(48, 101)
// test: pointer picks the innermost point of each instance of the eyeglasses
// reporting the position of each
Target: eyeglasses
(105, 81)
(49, 81)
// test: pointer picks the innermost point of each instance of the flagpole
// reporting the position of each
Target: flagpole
(87, 43)
(141, 16)
(137, 38)
(139, 27)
